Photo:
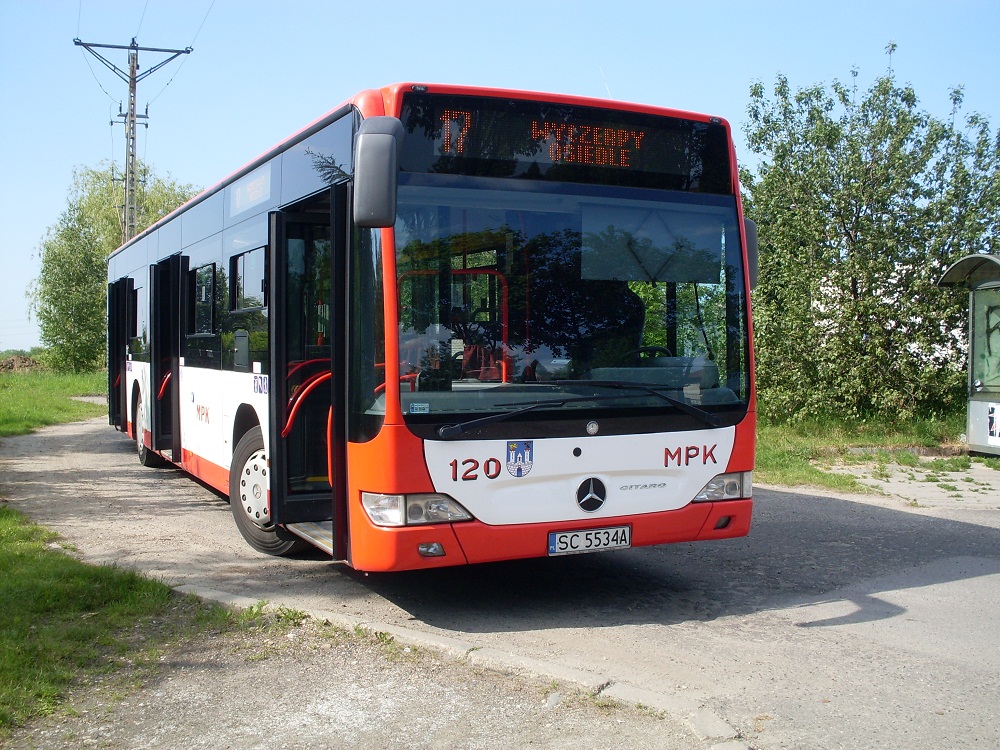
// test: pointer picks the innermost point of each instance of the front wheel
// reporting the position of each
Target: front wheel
(250, 499)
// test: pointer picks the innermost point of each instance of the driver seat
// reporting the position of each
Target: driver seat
(619, 329)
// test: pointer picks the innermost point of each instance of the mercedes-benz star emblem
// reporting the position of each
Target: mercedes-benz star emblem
(590, 495)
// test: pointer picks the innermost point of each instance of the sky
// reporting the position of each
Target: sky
(260, 71)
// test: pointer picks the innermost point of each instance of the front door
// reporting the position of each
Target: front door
(308, 334)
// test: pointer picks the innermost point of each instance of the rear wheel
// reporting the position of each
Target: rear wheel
(146, 456)
(250, 500)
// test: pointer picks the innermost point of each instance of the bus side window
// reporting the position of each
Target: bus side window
(202, 317)
(138, 334)
(205, 301)
(247, 274)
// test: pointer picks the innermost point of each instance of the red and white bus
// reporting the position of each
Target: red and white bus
(446, 325)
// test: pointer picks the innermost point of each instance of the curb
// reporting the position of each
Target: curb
(707, 726)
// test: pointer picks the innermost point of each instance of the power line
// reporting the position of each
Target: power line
(181, 66)
(96, 79)
(132, 78)
(211, 5)
(142, 18)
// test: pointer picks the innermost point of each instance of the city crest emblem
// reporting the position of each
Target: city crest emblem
(519, 457)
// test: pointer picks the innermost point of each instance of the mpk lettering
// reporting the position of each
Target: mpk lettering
(685, 456)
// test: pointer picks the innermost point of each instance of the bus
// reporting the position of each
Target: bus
(445, 325)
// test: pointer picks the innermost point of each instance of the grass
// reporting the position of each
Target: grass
(795, 455)
(33, 399)
(992, 462)
(64, 624)
(62, 621)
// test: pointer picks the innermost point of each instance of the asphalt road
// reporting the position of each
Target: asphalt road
(838, 623)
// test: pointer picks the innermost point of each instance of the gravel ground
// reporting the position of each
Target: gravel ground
(317, 686)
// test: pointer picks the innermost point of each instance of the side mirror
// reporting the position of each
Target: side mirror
(376, 168)
(750, 232)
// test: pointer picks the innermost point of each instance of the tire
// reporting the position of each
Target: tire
(146, 456)
(248, 499)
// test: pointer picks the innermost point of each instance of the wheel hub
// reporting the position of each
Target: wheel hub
(253, 489)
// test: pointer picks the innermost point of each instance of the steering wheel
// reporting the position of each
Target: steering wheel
(651, 351)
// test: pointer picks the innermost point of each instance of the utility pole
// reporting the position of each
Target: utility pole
(132, 78)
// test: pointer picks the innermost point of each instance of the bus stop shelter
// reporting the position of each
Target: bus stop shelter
(980, 273)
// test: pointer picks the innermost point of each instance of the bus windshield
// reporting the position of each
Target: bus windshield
(549, 295)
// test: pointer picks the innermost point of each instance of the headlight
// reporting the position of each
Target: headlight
(434, 509)
(727, 487)
(411, 510)
(384, 510)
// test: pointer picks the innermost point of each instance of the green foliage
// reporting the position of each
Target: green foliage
(862, 201)
(795, 453)
(992, 462)
(260, 616)
(955, 463)
(59, 616)
(29, 400)
(69, 296)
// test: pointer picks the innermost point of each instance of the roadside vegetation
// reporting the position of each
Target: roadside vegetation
(36, 397)
(802, 453)
(63, 622)
(69, 297)
(68, 629)
(863, 199)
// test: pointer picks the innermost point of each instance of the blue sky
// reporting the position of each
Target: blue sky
(261, 70)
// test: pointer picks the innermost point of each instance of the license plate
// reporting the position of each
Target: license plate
(589, 540)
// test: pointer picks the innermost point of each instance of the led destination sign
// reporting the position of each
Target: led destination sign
(568, 143)
(546, 141)
(589, 144)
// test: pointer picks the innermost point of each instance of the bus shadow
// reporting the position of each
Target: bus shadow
(801, 550)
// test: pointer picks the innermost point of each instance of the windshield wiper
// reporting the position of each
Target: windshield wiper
(454, 430)
(705, 416)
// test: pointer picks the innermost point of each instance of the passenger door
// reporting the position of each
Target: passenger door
(308, 334)
(165, 348)
(119, 293)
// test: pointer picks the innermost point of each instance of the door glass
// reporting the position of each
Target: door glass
(307, 341)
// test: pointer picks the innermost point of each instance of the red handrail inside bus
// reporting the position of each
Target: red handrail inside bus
(292, 369)
(410, 378)
(295, 402)
(163, 386)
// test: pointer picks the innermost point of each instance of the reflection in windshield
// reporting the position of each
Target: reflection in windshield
(500, 288)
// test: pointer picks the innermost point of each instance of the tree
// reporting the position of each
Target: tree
(861, 206)
(69, 296)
